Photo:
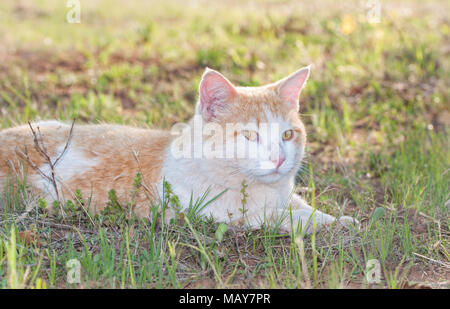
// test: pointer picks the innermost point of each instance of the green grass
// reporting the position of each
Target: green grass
(376, 111)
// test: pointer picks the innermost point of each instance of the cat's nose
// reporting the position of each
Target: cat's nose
(279, 161)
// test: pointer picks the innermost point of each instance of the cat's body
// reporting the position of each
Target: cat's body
(98, 158)
(104, 157)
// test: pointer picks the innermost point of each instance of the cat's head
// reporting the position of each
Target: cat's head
(263, 136)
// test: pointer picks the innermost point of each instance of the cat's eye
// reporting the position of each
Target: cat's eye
(250, 135)
(288, 135)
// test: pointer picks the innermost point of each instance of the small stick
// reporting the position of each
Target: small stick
(41, 148)
(432, 260)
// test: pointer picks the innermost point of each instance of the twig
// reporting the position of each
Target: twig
(64, 226)
(428, 217)
(69, 139)
(41, 148)
(446, 265)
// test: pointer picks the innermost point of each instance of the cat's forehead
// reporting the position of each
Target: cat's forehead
(259, 96)
(261, 105)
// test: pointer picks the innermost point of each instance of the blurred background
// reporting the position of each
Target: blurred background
(140, 61)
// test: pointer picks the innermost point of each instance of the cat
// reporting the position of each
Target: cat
(251, 190)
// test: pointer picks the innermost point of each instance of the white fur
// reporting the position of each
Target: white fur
(70, 164)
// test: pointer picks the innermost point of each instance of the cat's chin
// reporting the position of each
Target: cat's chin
(271, 178)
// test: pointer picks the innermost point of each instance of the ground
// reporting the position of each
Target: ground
(376, 110)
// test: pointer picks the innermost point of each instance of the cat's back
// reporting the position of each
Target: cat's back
(53, 136)
(86, 156)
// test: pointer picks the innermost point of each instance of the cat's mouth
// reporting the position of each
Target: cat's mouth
(273, 175)
(268, 175)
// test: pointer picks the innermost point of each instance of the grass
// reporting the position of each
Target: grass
(376, 110)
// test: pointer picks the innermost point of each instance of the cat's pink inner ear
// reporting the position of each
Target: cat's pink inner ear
(215, 92)
(290, 87)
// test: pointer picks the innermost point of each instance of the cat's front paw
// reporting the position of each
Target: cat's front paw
(348, 222)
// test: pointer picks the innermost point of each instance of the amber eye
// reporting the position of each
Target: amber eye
(250, 135)
(288, 135)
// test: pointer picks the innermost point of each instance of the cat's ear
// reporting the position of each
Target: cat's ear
(215, 93)
(289, 88)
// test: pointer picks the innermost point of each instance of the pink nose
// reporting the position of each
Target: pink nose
(279, 161)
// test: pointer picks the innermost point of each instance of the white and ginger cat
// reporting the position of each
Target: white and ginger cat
(104, 157)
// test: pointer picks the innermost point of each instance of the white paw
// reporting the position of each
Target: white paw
(347, 222)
